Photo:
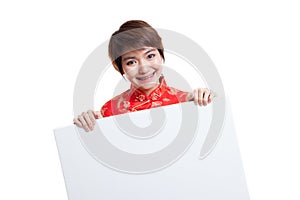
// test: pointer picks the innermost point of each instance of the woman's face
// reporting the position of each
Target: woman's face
(143, 68)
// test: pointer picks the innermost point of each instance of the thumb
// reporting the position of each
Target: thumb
(190, 96)
(97, 114)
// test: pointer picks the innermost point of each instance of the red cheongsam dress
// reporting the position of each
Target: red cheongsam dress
(134, 100)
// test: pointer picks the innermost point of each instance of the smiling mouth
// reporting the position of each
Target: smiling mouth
(146, 77)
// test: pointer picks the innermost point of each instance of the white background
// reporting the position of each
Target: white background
(254, 44)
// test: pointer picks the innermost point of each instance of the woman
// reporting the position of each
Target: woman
(137, 53)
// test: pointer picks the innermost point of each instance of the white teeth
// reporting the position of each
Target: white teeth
(144, 78)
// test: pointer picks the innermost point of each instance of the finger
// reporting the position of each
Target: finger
(212, 96)
(196, 96)
(88, 120)
(77, 122)
(92, 117)
(190, 96)
(97, 114)
(209, 98)
(83, 122)
(200, 97)
(205, 97)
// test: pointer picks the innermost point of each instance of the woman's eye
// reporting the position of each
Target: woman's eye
(130, 62)
(151, 55)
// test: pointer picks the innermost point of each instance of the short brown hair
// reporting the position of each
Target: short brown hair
(132, 35)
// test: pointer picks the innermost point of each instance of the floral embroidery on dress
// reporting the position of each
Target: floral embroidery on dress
(134, 99)
(125, 105)
(155, 95)
(156, 104)
(141, 97)
(172, 91)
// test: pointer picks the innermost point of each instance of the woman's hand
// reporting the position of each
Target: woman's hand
(87, 120)
(202, 96)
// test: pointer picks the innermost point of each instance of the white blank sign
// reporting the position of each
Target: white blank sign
(89, 175)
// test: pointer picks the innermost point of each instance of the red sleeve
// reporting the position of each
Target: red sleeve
(106, 109)
(181, 95)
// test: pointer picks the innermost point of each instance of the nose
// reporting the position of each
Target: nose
(143, 66)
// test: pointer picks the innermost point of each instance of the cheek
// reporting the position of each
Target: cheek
(158, 67)
(159, 60)
(157, 64)
(130, 72)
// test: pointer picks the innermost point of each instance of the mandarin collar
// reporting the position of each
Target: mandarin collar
(138, 95)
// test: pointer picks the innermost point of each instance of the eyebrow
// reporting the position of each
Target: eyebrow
(132, 57)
